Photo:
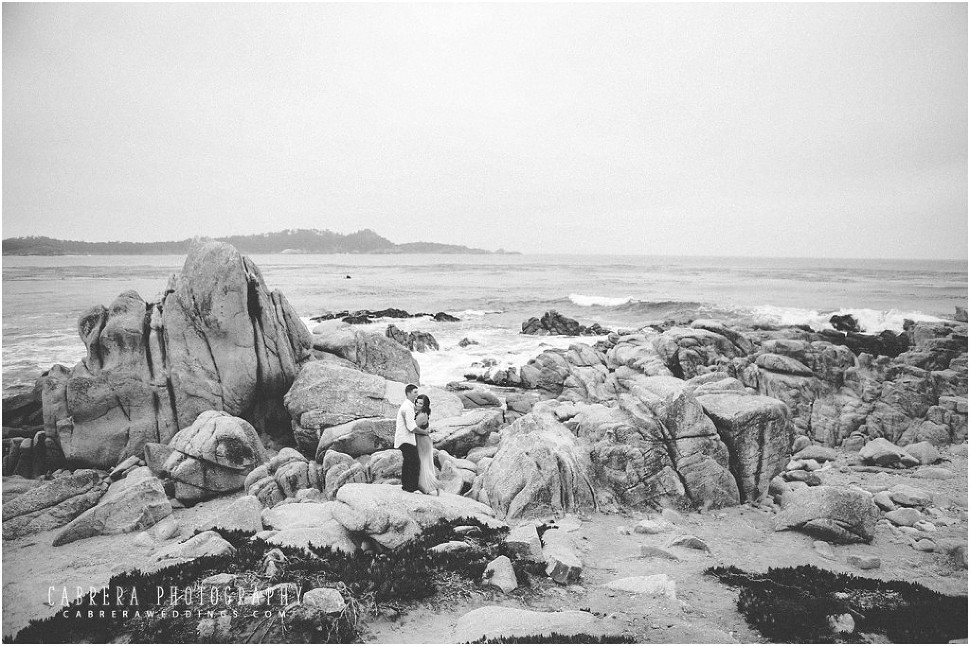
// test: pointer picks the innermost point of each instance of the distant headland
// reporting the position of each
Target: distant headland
(295, 241)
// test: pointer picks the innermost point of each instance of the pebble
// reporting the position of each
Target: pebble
(924, 526)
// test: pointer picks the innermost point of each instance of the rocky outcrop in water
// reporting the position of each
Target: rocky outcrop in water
(217, 339)
(552, 322)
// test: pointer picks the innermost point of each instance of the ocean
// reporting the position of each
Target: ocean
(491, 294)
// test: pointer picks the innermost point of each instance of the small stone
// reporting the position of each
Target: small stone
(281, 594)
(450, 547)
(910, 496)
(220, 580)
(924, 526)
(924, 545)
(468, 530)
(906, 517)
(864, 562)
(523, 542)
(843, 623)
(649, 551)
(884, 501)
(652, 527)
(562, 564)
(623, 530)
(500, 574)
(653, 585)
(824, 550)
(909, 532)
(326, 600)
(689, 542)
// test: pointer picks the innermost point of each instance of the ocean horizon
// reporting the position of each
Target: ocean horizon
(492, 294)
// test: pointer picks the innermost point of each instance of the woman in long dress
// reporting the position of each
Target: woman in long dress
(427, 475)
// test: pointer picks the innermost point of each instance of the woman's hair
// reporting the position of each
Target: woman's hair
(427, 403)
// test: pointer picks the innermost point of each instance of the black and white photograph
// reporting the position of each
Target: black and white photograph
(484, 322)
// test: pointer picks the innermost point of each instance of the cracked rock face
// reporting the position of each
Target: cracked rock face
(217, 339)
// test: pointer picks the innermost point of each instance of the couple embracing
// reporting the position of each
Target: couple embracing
(413, 437)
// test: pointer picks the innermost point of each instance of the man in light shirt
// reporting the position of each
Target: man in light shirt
(405, 441)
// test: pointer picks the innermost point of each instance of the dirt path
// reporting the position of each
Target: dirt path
(740, 536)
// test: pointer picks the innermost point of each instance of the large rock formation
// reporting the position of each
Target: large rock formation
(132, 504)
(539, 468)
(213, 456)
(758, 435)
(52, 504)
(217, 339)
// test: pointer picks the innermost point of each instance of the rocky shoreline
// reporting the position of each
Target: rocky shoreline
(219, 395)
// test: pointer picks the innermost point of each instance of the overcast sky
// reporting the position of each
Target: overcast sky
(767, 130)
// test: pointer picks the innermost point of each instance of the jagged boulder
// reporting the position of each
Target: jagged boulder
(416, 340)
(629, 456)
(52, 504)
(637, 351)
(371, 352)
(757, 433)
(539, 469)
(130, 505)
(673, 418)
(218, 339)
(687, 351)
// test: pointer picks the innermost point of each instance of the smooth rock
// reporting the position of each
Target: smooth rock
(834, 514)
(649, 551)
(652, 527)
(500, 574)
(864, 562)
(652, 585)
(243, 515)
(203, 544)
(326, 600)
(905, 517)
(908, 496)
(493, 622)
(824, 550)
(689, 542)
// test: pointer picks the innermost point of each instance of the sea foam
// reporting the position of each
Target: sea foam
(870, 320)
(601, 301)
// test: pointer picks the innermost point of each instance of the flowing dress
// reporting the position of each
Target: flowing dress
(427, 475)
